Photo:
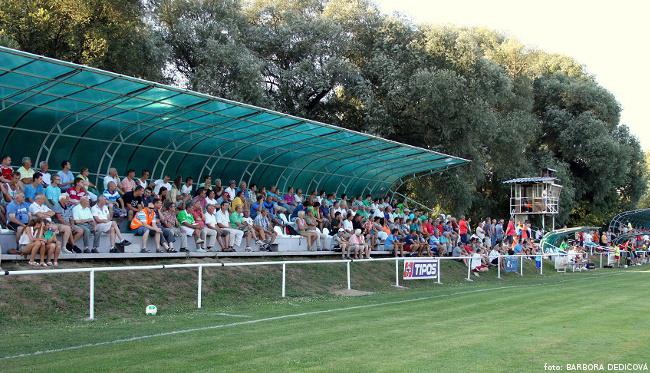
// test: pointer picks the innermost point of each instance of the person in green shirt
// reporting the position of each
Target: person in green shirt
(237, 222)
(564, 246)
(189, 226)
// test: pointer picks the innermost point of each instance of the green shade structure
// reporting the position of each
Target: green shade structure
(53, 110)
(551, 241)
(638, 218)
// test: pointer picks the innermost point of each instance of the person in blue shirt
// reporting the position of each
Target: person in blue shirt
(269, 205)
(433, 242)
(393, 243)
(518, 248)
(18, 214)
(36, 187)
(255, 207)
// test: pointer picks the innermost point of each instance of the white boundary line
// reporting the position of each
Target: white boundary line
(287, 316)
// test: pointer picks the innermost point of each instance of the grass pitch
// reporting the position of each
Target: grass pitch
(515, 324)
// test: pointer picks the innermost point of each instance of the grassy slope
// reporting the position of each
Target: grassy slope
(572, 318)
(118, 295)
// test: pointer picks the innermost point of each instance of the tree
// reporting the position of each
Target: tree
(111, 35)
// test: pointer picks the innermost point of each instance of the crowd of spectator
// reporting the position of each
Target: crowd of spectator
(60, 212)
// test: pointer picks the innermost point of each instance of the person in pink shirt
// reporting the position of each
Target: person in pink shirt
(128, 183)
(510, 231)
(357, 243)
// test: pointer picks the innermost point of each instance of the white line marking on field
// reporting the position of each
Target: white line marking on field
(230, 314)
(280, 317)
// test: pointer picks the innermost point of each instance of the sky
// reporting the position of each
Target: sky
(608, 37)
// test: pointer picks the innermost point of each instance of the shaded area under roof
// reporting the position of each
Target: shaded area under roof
(551, 241)
(53, 111)
(637, 218)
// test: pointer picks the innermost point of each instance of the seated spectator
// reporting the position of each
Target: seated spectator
(477, 263)
(84, 174)
(114, 200)
(200, 198)
(231, 189)
(52, 192)
(211, 199)
(340, 240)
(393, 244)
(289, 198)
(26, 171)
(34, 188)
(238, 201)
(104, 224)
(44, 169)
(223, 222)
(187, 187)
(83, 218)
(347, 224)
(114, 178)
(148, 197)
(65, 175)
(18, 215)
(237, 222)
(336, 223)
(32, 241)
(132, 199)
(77, 192)
(143, 180)
(162, 183)
(358, 244)
(257, 206)
(264, 229)
(175, 192)
(6, 172)
(171, 227)
(312, 225)
(128, 183)
(39, 209)
(143, 224)
(63, 217)
(305, 230)
(212, 232)
(189, 226)
(52, 245)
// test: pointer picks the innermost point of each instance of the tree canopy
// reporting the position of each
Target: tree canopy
(469, 92)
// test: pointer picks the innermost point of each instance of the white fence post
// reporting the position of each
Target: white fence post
(469, 265)
(396, 272)
(92, 295)
(199, 287)
(347, 265)
(541, 264)
(601, 260)
(284, 279)
(499, 266)
(439, 269)
(521, 266)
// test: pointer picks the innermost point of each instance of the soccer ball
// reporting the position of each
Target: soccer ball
(151, 310)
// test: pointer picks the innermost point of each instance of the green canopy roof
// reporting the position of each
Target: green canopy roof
(637, 218)
(54, 111)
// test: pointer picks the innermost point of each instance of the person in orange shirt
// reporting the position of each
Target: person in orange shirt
(144, 224)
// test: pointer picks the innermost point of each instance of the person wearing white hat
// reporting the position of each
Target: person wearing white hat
(358, 243)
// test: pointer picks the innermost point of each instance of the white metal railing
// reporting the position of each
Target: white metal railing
(284, 264)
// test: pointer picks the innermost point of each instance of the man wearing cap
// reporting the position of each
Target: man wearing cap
(358, 243)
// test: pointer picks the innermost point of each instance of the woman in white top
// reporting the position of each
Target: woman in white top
(32, 241)
(211, 198)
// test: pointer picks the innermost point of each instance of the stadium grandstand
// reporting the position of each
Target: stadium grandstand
(81, 128)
